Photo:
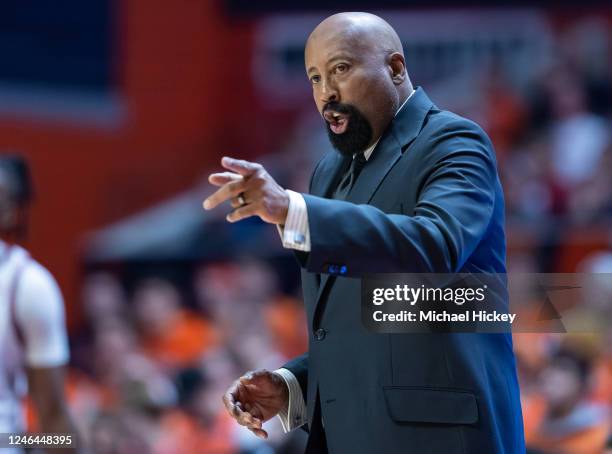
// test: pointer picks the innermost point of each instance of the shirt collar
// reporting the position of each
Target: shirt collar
(367, 153)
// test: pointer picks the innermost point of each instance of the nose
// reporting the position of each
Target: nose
(328, 92)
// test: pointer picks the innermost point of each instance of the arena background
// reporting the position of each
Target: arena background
(124, 107)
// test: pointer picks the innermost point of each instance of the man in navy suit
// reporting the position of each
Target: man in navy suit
(411, 189)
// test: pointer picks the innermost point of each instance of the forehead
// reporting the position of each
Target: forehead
(327, 45)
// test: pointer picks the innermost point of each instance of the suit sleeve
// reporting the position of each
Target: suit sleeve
(453, 212)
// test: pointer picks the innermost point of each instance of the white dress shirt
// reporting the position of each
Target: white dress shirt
(295, 234)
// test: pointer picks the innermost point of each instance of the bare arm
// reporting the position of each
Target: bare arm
(47, 393)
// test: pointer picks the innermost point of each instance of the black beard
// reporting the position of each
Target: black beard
(358, 134)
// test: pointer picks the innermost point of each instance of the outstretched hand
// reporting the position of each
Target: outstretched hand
(252, 191)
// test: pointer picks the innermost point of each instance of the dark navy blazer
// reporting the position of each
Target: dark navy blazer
(429, 200)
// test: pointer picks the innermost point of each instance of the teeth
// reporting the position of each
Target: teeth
(336, 116)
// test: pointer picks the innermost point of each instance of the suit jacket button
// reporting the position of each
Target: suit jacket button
(320, 334)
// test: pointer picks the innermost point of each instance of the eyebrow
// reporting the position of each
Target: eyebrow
(331, 60)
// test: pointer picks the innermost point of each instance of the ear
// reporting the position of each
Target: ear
(397, 68)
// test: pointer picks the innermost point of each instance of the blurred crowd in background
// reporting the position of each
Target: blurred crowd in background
(159, 343)
(152, 363)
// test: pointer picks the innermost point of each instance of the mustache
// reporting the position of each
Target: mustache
(339, 107)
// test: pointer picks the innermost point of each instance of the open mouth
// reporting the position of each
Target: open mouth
(337, 122)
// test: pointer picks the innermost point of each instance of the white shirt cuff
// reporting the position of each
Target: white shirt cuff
(295, 414)
(295, 234)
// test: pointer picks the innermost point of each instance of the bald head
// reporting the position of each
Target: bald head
(355, 63)
(364, 29)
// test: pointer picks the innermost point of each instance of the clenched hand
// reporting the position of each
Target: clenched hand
(255, 398)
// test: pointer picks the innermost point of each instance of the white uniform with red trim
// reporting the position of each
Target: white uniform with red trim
(32, 329)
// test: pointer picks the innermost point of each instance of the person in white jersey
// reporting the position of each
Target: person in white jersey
(33, 339)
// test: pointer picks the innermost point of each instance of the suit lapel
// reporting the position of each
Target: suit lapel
(401, 132)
